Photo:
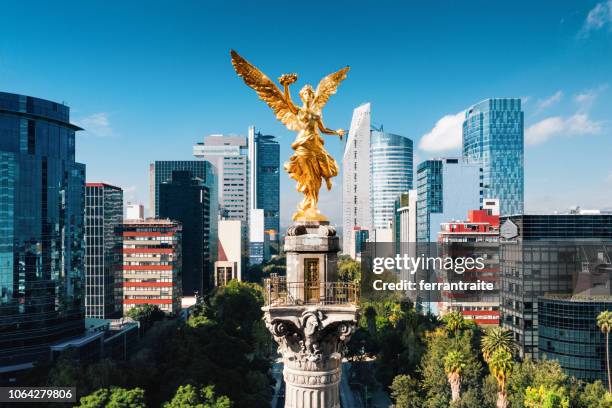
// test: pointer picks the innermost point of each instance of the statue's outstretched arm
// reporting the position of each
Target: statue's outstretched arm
(290, 103)
(327, 131)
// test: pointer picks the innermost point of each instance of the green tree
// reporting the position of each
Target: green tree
(454, 322)
(349, 270)
(190, 396)
(594, 395)
(114, 398)
(604, 322)
(543, 397)
(435, 385)
(495, 339)
(237, 306)
(530, 373)
(405, 392)
(146, 314)
(454, 364)
(500, 364)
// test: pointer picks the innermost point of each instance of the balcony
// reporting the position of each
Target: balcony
(279, 292)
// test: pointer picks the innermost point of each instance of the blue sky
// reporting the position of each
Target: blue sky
(149, 79)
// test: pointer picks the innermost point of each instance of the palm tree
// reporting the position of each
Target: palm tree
(454, 321)
(454, 363)
(495, 339)
(500, 364)
(604, 322)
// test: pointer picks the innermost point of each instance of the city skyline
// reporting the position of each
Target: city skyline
(559, 66)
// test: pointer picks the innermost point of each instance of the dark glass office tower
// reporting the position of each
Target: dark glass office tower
(204, 171)
(268, 181)
(184, 198)
(42, 192)
(542, 255)
(103, 258)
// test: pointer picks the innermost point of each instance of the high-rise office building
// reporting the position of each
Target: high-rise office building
(545, 254)
(229, 155)
(377, 167)
(186, 199)
(103, 243)
(447, 189)
(356, 212)
(152, 264)
(161, 172)
(134, 211)
(42, 191)
(493, 135)
(390, 174)
(264, 188)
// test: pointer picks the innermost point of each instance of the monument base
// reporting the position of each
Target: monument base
(311, 316)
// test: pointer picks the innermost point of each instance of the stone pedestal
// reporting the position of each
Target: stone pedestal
(312, 340)
(311, 316)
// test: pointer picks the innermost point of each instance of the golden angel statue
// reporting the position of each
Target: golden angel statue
(311, 163)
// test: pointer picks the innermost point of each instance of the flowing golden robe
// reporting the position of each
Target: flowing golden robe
(310, 163)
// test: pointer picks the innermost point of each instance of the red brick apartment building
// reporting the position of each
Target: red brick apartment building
(478, 236)
(152, 264)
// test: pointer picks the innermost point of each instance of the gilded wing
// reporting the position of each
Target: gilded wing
(328, 86)
(266, 90)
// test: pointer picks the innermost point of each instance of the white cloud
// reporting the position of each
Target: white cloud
(585, 99)
(551, 100)
(599, 17)
(576, 125)
(97, 124)
(445, 135)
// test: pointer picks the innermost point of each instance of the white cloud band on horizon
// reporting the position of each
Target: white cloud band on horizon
(576, 125)
(445, 135)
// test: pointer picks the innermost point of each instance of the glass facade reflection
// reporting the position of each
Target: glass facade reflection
(184, 198)
(42, 192)
(568, 333)
(268, 182)
(493, 136)
(447, 189)
(391, 174)
(103, 260)
(543, 254)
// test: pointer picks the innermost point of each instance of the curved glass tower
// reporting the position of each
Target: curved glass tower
(391, 174)
(42, 192)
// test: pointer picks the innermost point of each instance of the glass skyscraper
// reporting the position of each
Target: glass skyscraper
(493, 136)
(162, 172)
(391, 174)
(103, 222)
(264, 196)
(42, 192)
(267, 180)
(185, 199)
(447, 189)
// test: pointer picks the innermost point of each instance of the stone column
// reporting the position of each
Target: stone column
(312, 342)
